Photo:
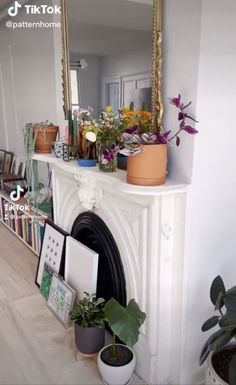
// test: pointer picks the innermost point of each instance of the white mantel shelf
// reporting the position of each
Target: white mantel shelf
(117, 179)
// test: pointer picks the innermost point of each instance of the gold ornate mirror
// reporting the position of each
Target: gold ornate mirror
(112, 54)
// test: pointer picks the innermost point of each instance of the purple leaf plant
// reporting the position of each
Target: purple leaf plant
(133, 138)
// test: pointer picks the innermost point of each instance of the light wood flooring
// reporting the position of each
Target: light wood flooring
(34, 347)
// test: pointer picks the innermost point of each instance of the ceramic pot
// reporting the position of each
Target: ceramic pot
(89, 340)
(212, 378)
(224, 354)
(116, 375)
(87, 162)
(148, 168)
(122, 162)
(45, 138)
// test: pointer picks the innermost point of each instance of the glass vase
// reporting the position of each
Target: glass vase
(107, 156)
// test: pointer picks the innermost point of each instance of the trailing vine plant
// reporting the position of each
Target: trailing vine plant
(31, 165)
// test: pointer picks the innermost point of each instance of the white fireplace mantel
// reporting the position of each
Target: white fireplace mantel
(148, 225)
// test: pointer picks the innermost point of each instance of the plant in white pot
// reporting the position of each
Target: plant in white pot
(116, 362)
(220, 349)
(89, 324)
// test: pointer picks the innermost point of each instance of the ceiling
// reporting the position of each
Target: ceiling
(106, 27)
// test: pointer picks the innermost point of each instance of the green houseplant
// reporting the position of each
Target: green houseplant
(116, 362)
(219, 349)
(89, 319)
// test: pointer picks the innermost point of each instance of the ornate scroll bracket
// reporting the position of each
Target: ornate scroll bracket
(90, 193)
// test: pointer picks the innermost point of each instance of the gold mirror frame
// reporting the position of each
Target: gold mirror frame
(157, 61)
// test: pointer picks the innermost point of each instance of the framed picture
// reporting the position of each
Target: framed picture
(14, 166)
(7, 162)
(2, 153)
(61, 300)
(81, 267)
(21, 168)
(46, 281)
(52, 251)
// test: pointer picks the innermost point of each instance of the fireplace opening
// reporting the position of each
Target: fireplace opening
(91, 230)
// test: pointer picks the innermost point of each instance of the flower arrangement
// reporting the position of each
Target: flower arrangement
(87, 129)
(108, 137)
(138, 128)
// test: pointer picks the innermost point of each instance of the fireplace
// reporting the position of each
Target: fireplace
(142, 228)
(90, 230)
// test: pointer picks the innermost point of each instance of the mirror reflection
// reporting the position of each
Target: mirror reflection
(110, 53)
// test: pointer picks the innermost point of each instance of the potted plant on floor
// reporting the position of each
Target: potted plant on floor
(89, 324)
(116, 362)
(219, 349)
(45, 134)
(146, 149)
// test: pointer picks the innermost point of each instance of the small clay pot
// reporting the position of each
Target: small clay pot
(46, 136)
(89, 340)
(148, 168)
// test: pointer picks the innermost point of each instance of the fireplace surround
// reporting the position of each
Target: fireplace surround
(147, 226)
(90, 230)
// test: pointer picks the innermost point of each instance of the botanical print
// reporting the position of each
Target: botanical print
(61, 299)
(46, 281)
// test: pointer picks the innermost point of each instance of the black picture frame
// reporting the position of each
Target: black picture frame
(52, 250)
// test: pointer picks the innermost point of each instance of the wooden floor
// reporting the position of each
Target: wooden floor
(34, 347)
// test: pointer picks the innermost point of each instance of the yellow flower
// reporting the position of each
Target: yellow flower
(109, 109)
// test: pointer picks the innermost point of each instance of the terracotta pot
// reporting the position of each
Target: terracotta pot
(149, 167)
(45, 138)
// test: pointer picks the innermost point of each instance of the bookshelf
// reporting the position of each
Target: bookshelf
(27, 224)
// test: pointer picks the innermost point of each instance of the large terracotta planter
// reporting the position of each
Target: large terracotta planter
(45, 137)
(148, 168)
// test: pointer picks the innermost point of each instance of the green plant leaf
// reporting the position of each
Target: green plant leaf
(210, 323)
(206, 350)
(99, 301)
(217, 287)
(220, 301)
(221, 340)
(125, 322)
(231, 291)
(232, 371)
(230, 303)
(228, 320)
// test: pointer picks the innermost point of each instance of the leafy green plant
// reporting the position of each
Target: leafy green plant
(225, 304)
(124, 322)
(89, 312)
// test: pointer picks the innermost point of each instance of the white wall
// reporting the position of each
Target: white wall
(182, 26)
(211, 209)
(29, 90)
(127, 64)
